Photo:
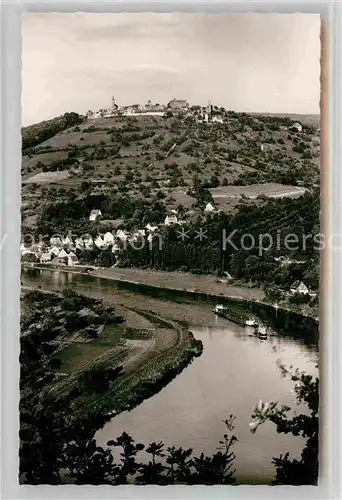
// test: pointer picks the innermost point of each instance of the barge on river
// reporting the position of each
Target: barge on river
(251, 322)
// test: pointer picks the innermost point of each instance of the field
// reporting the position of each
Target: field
(181, 281)
(271, 190)
(148, 351)
(47, 177)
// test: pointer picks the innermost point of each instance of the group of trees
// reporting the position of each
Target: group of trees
(71, 212)
(304, 470)
(276, 218)
(40, 132)
(53, 451)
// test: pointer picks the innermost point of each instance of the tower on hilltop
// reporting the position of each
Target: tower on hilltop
(114, 105)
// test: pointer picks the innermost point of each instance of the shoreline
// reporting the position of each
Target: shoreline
(205, 285)
(149, 376)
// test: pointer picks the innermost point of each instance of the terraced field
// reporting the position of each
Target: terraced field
(142, 353)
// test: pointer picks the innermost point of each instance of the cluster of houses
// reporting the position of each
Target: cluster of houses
(56, 252)
(201, 114)
(148, 109)
(62, 250)
(171, 217)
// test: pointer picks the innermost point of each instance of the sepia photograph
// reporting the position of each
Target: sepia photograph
(170, 249)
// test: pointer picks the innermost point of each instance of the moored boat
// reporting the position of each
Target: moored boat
(262, 332)
(236, 317)
(219, 309)
(251, 322)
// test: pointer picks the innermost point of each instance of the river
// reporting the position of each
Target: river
(234, 371)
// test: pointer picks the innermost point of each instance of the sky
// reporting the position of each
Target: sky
(245, 62)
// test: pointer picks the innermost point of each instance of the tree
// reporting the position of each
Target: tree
(305, 470)
(152, 472)
(272, 293)
(214, 181)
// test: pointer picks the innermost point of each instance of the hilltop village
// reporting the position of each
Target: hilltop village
(114, 183)
(203, 114)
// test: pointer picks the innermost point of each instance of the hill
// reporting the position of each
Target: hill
(307, 119)
(255, 170)
(37, 133)
(146, 157)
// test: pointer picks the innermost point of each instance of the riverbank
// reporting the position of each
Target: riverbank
(145, 359)
(205, 285)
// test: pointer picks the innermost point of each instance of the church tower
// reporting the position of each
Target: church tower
(114, 105)
(209, 108)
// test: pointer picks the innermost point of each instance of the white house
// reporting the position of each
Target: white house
(45, 257)
(39, 247)
(209, 207)
(217, 119)
(79, 244)
(88, 243)
(55, 251)
(170, 219)
(298, 126)
(115, 248)
(151, 228)
(136, 236)
(56, 241)
(108, 238)
(72, 259)
(94, 214)
(177, 104)
(62, 254)
(99, 242)
(67, 241)
(122, 235)
(286, 261)
(299, 287)
(265, 147)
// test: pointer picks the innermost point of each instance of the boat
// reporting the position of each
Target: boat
(251, 322)
(262, 332)
(219, 309)
(236, 317)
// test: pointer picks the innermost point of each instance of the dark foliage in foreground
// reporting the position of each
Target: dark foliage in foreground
(50, 455)
(293, 471)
